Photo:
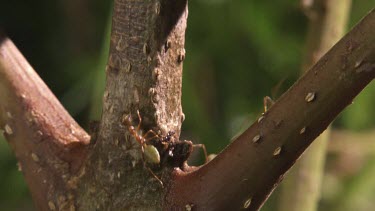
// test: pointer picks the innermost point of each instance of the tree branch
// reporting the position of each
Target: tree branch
(144, 73)
(47, 142)
(304, 180)
(247, 171)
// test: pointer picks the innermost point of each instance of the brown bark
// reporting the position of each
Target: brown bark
(245, 173)
(144, 73)
(327, 21)
(48, 143)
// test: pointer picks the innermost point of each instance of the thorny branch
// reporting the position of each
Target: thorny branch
(144, 73)
(48, 143)
(247, 171)
(303, 182)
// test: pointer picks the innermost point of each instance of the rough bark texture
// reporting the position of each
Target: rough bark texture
(144, 73)
(246, 172)
(327, 21)
(49, 145)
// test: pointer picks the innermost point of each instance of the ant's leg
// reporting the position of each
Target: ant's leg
(267, 103)
(140, 121)
(149, 139)
(143, 154)
(150, 132)
(204, 150)
(156, 177)
(145, 165)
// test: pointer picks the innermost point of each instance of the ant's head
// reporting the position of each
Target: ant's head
(126, 120)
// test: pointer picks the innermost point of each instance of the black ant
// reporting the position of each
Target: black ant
(158, 149)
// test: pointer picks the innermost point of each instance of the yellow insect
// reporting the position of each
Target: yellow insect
(149, 152)
(171, 150)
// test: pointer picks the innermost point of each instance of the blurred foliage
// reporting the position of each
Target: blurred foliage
(237, 53)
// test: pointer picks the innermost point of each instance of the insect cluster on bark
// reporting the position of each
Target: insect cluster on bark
(160, 150)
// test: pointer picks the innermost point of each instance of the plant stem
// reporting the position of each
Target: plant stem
(245, 173)
(327, 21)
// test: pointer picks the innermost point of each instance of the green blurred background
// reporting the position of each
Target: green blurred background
(237, 52)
